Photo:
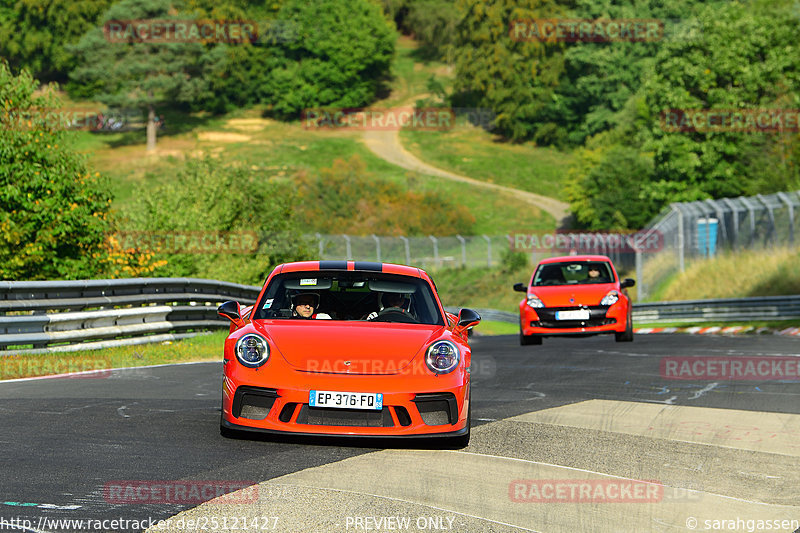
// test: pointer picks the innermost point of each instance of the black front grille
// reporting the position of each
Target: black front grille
(547, 318)
(437, 408)
(287, 412)
(253, 403)
(324, 416)
(592, 322)
(402, 416)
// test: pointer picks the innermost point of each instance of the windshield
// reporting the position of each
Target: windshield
(573, 272)
(366, 296)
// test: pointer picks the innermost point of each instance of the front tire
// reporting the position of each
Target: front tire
(627, 335)
(528, 340)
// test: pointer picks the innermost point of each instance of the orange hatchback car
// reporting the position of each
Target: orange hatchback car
(577, 295)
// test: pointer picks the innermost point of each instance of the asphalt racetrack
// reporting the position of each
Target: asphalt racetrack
(576, 435)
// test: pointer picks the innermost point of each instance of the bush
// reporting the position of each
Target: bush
(209, 197)
(53, 212)
(341, 58)
(347, 199)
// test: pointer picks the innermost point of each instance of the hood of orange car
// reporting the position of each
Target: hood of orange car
(573, 295)
(349, 347)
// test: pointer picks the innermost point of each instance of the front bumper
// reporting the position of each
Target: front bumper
(439, 409)
(602, 319)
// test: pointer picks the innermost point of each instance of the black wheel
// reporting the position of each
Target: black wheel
(528, 340)
(627, 335)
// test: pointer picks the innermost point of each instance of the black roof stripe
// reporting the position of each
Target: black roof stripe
(333, 265)
(368, 265)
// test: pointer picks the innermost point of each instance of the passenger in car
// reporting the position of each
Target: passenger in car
(304, 304)
(594, 275)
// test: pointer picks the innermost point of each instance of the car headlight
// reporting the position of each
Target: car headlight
(442, 357)
(535, 302)
(610, 299)
(252, 350)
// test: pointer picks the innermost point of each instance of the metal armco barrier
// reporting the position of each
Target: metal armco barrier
(47, 316)
(723, 310)
(55, 316)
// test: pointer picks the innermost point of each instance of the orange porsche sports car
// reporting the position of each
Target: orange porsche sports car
(347, 348)
(575, 295)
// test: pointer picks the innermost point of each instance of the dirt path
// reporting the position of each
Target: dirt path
(387, 146)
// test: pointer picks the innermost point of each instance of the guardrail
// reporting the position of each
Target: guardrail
(720, 310)
(54, 316)
(49, 316)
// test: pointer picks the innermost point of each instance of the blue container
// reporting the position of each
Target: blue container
(707, 236)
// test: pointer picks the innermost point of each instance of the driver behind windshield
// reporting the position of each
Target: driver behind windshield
(390, 301)
(304, 305)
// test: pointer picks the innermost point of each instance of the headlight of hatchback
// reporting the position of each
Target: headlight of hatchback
(442, 357)
(535, 302)
(252, 350)
(610, 299)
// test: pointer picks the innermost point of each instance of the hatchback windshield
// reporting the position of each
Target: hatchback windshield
(364, 296)
(569, 273)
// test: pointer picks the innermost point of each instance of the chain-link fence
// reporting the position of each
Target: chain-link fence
(434, 252)
(696, 230)
(424, 252)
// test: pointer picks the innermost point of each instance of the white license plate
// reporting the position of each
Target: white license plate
(345, 400)
(576, 314)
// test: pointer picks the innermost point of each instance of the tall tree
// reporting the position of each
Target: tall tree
(341, 57)
(137, 73)
(514, 77)
(746, 60)
(34, 34)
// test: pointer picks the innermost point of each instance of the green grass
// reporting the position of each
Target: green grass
(481, 287)
(488, 328)
(475, 153)
(756, 324)
(411, 74)
(201, 348)
(765, 272)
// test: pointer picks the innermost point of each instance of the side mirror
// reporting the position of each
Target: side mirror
(232, 311)
(628, 282)
(520, 287)
(468, 318)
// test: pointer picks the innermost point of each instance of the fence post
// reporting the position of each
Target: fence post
(408, 251)
(435, 250)
(349, 248)
(641, 291)
(319, 239)
(488, 250)
(790, 205)
(680, 238)
(463, 250)
(377, 247)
